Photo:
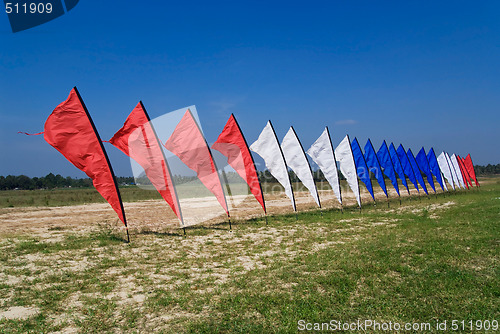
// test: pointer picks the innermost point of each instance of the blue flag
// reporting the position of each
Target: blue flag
(434, 167)
(398, 167)
(405, 162)
(416, 170)
(361, 167)
(374, 165)
(386, 163)
(423, 164)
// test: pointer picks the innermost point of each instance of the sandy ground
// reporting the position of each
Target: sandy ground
(156, 214)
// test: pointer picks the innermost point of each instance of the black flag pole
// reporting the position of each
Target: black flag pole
(336, 169)
(166, 166)
(215, 165)
(254, 166)
(107, 160)
(310, 170)
(286, 167)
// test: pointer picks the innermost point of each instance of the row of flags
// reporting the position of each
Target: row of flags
(71, 131)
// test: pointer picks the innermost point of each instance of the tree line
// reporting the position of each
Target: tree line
(51, 181)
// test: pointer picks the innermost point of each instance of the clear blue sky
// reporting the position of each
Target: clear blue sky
(420, 73)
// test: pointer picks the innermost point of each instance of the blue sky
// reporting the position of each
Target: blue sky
(419, 73)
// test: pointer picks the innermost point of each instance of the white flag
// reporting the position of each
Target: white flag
(343, 153)
(453, 172)
(460, 178)
(296, 159)
(268, 147)
(445, 169)
(323, 155)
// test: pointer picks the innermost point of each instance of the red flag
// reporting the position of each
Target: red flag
(187, 142)
(463, 171)
(470, 168)
(137, 139)
(466, 171)
(70, 130)
(233, 145)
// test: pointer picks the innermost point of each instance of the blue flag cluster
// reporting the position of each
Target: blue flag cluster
(396, 164)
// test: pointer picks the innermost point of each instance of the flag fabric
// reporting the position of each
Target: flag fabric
(387, 164)
(361, 167)
(137, 139)
(445, 168)
(468, 178)
(398, 167)
(188, 143)
(374, 165)
(296, 159)
(462, 171)
(232, 144)
(434, 167)
(347, 166)
(268, 147)
(470, 168)
(322, 153)
(416, 170)
(423, 164)
(405, 162)
(456, 170)
(71, 131)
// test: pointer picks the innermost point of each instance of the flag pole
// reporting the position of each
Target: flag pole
(286, 166)
(254, 166)
(167, 167)
(356, 170)
(336, 169)
(107, 160)
(215, 165)
(310, 170)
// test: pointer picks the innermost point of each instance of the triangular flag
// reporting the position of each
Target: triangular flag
(423, 164)
(467, 176)
(361, 167)
(434, 167)
(416, 170)
(347, 166)
(463, 173)
(398, 166)
(323, 155)
(405, 162)
(445, 168)
(232, 144)
(268, 147)
(71, 131)
(374, 165)
(137, 139)
(470, 168)
(387, 164)
(455, 170)
(188, 143)
(296, 159)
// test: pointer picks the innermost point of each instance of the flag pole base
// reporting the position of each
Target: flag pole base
(128, 235)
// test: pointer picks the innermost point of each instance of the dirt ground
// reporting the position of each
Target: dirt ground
(156, 214)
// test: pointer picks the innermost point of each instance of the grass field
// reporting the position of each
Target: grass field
(429, 260)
